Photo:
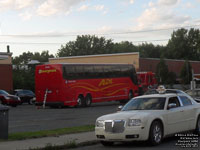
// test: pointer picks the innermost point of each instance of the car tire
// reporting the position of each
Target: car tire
(197, 129)
(88, 100)
(30, 102)
(107, 143)
(156, 133)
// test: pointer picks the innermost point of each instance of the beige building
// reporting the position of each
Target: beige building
(5, 58)
(127, 58)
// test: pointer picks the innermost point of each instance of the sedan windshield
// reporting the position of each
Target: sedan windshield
(150, 103)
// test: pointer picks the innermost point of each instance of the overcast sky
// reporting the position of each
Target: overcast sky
(36, 25)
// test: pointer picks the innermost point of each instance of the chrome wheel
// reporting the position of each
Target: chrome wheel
(156, 133)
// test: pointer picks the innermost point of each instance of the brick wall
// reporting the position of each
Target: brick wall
(6, 80)
(150, 64)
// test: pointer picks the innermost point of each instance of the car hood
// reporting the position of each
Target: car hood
(125, 115)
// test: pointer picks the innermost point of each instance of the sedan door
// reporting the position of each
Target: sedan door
(175, 118)
(189, 112)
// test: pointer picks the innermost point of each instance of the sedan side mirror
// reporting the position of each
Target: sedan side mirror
(172, 105)
(119, 108)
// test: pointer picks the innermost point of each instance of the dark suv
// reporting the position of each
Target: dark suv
(26, 96)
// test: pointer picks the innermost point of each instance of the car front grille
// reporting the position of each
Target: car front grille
(115, 126)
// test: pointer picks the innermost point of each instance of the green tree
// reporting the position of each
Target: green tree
(162, 72)
(28, 56)
(24, 74)
(124, 47)
(150, 51)
(184, 44)
(186, 73)
(171, 78)
(86, 45)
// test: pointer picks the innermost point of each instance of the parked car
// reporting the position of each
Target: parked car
(194, 94)
(8, 99)
(26, 96)
(150, 117)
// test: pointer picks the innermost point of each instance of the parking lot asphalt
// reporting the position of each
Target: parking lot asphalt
(25, 118)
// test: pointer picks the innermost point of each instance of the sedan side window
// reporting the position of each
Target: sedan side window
(185, 100)
(174, 100)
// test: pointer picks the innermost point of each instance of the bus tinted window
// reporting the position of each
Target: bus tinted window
(108, 72)
(98, 71)
(80, 73)
(69, 72)
(91, 71)
(125, 71)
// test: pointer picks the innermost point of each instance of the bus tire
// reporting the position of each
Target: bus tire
(88, 100)
(80, 101)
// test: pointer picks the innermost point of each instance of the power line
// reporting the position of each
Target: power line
(24, 43)
(113, 33)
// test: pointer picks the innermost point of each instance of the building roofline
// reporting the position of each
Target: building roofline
(86, 56)
(171, 59)
(5, 53)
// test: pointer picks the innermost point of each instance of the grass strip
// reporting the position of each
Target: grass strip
(46, 133)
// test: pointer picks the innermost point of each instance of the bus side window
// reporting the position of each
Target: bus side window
(69, 72)
(80, 72)
(98, 71)
(116, 71)
(108, 71)
(89, 71)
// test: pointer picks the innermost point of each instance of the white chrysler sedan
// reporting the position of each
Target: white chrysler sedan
(150, 117)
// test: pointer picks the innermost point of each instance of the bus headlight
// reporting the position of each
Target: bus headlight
(100, 123)
(134, 122)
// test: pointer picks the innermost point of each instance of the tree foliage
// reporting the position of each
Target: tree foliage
(86, 45)
(28, 56)
(184, 44)
(162, 72)
(24, 74)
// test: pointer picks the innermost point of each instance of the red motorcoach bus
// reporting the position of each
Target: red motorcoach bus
(83, 84)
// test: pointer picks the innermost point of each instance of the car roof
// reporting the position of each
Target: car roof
(158, 95)
(193, 90)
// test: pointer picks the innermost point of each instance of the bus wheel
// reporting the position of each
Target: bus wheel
(80, 101)
(88, 100)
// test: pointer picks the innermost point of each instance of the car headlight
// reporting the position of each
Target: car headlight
(100, 123)
(134, 122)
